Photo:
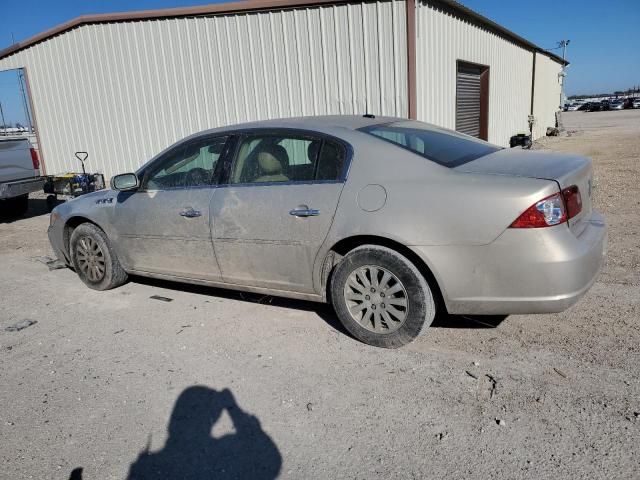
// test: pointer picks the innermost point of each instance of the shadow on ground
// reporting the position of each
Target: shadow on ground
(37, 207)
(468, 321)
(191, 452)
(323, 310)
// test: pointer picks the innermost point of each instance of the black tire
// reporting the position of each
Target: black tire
(420, 303)
(112, 274)
(52, 201)
(18, 206)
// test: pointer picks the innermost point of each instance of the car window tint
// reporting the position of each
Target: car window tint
(331, 161)
(275, 158)
(297, 150)
(445, 147)
(192, 165)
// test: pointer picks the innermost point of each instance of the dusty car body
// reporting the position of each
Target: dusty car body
(403, 208)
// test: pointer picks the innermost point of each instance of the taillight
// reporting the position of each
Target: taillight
(553, 210)
(572, 200)
(34, 159)
(545, 213)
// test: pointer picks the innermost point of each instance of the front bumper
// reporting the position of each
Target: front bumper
(55, 233)
(541, 270)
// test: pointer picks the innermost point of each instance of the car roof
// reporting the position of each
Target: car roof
(316, 123)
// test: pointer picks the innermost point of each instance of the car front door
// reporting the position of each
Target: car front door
(164, 226)
(275, 211)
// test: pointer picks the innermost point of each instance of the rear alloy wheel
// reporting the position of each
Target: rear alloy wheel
(94, 259)
(376, 299)
(380, 297)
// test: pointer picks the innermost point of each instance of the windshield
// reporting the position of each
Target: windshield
(445, 147)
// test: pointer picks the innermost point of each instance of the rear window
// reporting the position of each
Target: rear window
(445, 147)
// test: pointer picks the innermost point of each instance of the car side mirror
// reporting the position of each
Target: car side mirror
(125, 182)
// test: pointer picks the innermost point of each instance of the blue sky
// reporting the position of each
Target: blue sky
(604, 49)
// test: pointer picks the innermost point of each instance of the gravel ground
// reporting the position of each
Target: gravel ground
(107, 381)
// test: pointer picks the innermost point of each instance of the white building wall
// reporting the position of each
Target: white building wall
(125, 91)
(546, 97)
(442, 39)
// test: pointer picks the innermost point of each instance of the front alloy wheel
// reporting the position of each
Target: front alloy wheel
(94, 259)
(90, 259)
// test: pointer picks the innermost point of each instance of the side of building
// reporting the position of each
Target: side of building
(125, 86)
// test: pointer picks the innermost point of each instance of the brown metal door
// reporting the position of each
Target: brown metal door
(471, 100)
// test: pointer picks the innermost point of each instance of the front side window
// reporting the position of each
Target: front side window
(445, 147)
(190, 165)
(278, 158)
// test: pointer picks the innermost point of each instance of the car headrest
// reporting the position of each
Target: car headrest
(273, 159)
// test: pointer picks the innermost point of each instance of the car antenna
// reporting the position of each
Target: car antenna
(366, 110)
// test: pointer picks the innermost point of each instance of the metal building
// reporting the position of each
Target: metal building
(125, 86)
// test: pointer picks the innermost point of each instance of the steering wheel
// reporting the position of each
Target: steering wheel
(196, 177)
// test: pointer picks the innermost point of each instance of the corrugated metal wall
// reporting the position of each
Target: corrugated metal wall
(442, 40)
(546, 98)
(125, 91)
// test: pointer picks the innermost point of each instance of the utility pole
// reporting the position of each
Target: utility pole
(2, 116)
(25, 103)
(563, 44)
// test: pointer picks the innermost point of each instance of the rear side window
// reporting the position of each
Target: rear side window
(286, 159)
(445, 147)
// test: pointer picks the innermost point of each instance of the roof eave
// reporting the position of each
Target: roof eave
(487, 22)
(255, 5)
(218, 8)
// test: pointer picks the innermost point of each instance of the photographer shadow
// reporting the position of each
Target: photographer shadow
(192, 453)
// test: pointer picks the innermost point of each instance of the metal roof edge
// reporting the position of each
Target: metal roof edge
(217, 8)
(475, 17)
(255, 5)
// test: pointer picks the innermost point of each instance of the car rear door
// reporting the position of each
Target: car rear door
(275, 211)
(164, 227)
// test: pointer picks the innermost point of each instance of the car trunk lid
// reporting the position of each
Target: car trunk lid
(565, 170)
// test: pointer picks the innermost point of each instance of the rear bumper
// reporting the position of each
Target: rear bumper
(21, 187)
(524, 271)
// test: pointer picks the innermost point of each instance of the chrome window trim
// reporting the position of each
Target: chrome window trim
(268, 184)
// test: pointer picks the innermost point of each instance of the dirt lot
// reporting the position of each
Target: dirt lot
(102, 377)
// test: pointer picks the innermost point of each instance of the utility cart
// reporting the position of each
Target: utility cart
(72, 184)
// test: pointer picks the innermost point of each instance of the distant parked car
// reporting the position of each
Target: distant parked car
(584, 107)
(636, 103)
(604, 105)
(616, 105)
(387, 219)
(595, 107)
(573, 107)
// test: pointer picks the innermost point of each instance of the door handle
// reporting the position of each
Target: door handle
(190, 213)
(304, 211)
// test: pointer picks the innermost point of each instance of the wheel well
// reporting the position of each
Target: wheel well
(69, 227)
(345, 245)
